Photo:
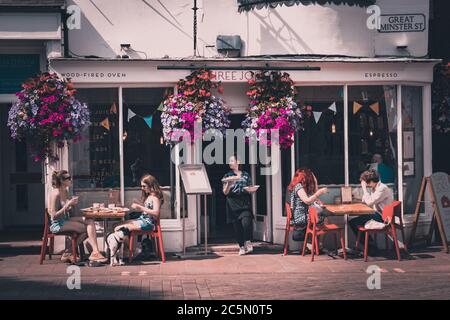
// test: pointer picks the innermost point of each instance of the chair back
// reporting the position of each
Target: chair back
(46, 221)
(313, 216)
(288, 213)
(397, 208)
(388, 213)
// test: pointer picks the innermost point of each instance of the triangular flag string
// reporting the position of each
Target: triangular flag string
(375, 108)
(317, 116)
(356, 107)
(105, 124)
(149, 121)
(113, 108)
(131, 115)
(333, 107)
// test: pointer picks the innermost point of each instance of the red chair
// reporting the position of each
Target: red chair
(389, 230)
(46, 247)
(315, 231)
(155, 234)
(289, 227)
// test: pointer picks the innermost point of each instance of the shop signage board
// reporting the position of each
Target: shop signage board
(15, 69)
(391, 23)
(439, 188)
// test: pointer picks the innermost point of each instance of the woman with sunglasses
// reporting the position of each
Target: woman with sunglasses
(59, 207)
(151, 202)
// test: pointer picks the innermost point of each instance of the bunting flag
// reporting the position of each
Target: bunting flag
(375, 108)
(149, 121)
(317, 116)
(341, 92)
(105, 124)
(356, 107)
(131, 115)
(161, 107)
(392, 104)
(113, 108)
(333, 107)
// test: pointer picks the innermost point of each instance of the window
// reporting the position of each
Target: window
(95, 163)
(373, 132)
(412, 146)
(144, 148)
(320, 146)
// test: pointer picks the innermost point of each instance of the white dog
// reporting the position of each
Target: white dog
(114, 242)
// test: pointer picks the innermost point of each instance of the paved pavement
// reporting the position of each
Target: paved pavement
(265, 274)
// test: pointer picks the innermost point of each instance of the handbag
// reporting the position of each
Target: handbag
(298, 234)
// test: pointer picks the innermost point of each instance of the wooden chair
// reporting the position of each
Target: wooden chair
(289, 227)
(390, 229)
(47, 235)
(315, 231)
(155, 234)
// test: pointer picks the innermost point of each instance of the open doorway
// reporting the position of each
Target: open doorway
(219, 230)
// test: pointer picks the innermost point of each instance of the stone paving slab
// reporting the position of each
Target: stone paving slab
(424, 275)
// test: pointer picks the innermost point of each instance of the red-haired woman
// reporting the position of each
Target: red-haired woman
(303, 193)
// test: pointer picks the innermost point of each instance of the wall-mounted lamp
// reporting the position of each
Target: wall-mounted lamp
(124, 47)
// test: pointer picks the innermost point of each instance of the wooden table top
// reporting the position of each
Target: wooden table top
(105, 213)
(353, 209)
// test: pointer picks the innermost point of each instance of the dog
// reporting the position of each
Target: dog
(114, 243)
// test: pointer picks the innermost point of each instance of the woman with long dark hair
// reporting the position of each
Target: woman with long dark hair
(238, 204)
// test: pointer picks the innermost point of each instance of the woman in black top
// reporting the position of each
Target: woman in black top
(238, 204)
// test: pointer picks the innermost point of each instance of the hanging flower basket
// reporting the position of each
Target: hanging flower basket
(47, 113)
(272, 107)
(194, 104)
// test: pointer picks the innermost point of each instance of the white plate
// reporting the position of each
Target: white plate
(251, 189)
(231, 179)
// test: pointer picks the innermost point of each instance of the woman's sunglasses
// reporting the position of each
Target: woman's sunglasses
(143, 186)
(67, 178)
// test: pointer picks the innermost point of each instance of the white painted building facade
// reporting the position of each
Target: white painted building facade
(357, 65)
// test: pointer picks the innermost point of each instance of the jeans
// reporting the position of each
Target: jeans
(243, 229)
(360, 221)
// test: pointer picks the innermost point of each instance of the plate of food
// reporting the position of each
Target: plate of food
(231, 179)
(251, 189)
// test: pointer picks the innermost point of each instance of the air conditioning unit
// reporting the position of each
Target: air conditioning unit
(229, 46)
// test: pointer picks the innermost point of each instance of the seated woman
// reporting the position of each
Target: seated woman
(59, 207)
(152, 200)
(304, 192)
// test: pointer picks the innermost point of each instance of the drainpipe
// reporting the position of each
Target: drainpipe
(64, 17)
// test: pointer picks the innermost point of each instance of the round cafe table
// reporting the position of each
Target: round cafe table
(105, 214)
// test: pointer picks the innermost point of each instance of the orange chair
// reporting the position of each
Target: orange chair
(289, 227)
(49, 235)
(390, 230)
(155, 234)
(315, 231)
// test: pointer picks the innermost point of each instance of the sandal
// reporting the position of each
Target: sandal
(98, 257)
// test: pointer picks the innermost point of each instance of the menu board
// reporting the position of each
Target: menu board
(103, 146)
(195, 179)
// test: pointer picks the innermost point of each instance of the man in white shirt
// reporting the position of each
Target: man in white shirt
(380, 196)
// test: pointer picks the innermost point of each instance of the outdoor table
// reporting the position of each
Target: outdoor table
(105, 214)
(346, 210)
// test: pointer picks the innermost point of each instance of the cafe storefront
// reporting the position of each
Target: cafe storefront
(357, 108)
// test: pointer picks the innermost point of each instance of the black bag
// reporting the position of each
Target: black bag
(298, 234)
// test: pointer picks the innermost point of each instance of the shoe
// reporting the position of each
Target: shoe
(66, 257)
(242, 251)
(248, 247)
(98, 257)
